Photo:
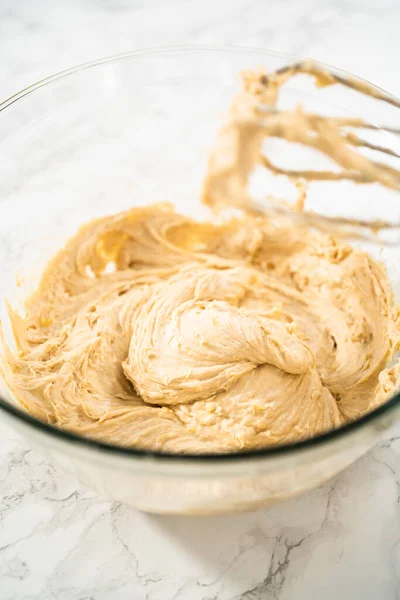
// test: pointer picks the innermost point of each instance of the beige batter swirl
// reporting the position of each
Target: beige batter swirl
(152, 330)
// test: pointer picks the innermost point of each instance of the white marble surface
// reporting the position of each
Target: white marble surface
(61, 541)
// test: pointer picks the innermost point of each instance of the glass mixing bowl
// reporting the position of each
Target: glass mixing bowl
(131, 130)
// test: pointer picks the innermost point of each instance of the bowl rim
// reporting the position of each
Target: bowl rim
(53, 431)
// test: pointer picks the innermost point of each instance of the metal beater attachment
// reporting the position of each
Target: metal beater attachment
(255, 116)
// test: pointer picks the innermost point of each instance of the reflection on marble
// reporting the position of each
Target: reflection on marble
(59, 541)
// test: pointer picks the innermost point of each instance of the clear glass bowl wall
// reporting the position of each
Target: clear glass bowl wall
(132, 130)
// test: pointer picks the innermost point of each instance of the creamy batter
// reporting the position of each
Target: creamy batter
(152, 330)
(204, 337)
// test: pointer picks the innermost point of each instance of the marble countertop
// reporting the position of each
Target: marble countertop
(60, 541)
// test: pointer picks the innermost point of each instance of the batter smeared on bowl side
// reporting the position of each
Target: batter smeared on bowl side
(152, 330)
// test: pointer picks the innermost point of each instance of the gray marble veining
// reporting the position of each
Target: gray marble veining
(59, 541)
